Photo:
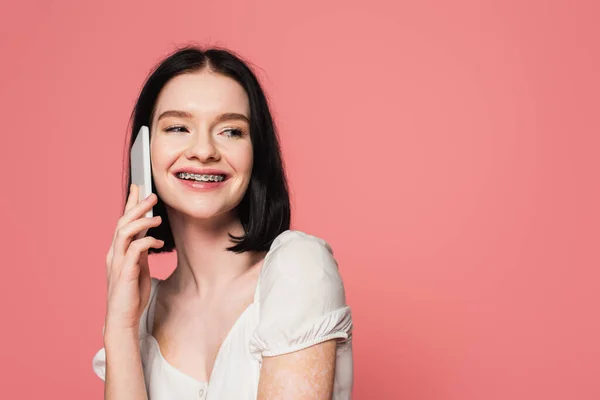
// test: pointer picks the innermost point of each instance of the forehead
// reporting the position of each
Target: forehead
(203, 93)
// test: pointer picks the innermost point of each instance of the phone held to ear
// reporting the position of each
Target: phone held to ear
(140, 168)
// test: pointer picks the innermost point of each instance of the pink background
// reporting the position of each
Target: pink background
(448, 151)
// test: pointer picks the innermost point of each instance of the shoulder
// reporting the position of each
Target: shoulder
(299, 255)
(301, 297)
(297, 238)
(302, 264)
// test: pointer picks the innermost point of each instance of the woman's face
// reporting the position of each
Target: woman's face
(205, 137)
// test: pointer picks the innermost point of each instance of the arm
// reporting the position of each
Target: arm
(304, 374)
(124, 373)
(129, 287)
(303, 317)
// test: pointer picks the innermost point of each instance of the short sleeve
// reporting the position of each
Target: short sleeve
(99, 362)
(302, 300)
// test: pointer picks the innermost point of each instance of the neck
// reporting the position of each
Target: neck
(203, 263)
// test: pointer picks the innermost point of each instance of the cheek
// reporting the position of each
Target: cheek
(241, 160)
(162, 156)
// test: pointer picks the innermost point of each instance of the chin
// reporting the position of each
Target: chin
(204, 213)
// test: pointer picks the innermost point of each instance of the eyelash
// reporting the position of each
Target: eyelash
(238, 132)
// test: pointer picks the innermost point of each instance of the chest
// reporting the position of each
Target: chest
(190, 337)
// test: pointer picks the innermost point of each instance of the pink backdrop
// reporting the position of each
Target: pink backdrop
(448, 153)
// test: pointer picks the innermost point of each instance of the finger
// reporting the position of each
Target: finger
(131, 261)
(138, 210)
(125, 235)
(134, 213)
(132, 199)
(140, 234)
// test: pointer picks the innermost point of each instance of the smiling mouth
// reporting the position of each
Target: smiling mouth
(200, 177)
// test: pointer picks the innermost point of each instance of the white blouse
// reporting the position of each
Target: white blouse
(299, 302)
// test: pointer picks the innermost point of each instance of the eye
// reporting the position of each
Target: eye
(234, 132)
(174, 128)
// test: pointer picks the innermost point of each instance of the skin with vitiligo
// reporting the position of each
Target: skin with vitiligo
(305, 374)
(189, 130)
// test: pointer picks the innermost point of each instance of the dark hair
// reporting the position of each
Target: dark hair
(264, 211)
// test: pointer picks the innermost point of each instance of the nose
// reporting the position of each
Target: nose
(202, 147)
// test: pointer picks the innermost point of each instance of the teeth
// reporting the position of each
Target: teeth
(201, 178)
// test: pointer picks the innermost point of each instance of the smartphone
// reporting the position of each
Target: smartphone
(140, 168)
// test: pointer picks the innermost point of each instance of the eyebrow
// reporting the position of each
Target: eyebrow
(188, 115)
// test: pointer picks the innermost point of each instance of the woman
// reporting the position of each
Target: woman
(253, 310)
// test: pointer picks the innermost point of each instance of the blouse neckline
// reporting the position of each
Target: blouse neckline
(234, 327)
(150, 323)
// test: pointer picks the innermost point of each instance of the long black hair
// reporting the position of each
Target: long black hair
(264, 211)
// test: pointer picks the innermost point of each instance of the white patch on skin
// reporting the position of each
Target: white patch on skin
(303, 374)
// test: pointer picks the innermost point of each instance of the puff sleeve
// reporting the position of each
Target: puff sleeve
(302, 300)
(99, 362)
